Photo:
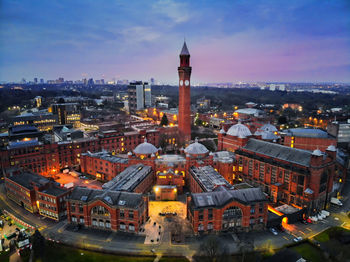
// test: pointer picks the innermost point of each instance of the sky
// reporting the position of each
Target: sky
(229, 41)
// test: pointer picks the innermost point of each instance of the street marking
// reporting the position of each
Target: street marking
(301, 232)
(286, 238)
(343, 224)
(42, 228)
(294, 235)
(309, 229)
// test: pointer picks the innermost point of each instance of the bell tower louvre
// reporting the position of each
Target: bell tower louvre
(184, 70)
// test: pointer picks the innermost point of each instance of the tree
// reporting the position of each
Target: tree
(38, 245)
(212, 250)
(164, 121)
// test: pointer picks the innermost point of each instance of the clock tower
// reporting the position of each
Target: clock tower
(184, 95)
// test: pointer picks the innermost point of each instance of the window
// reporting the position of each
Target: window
(200, 215)
(261, 207)
(72, 207)
(131, 227)
(94, 222)
(210, 226)
(200, 227)
(108, 224)
(210, 214)
(252, 209)
(102, 224)
(273, 175)
(131, 214)
(261, 220)
(74, 219)
(250, 168)
(251, 221)
(262, 171)
(81, 209)
(122, 226)
(81, 220)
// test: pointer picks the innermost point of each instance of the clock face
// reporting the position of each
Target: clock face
(181, 82)
(187, 83)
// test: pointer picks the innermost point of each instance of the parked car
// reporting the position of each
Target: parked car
(297, 239)
(273, 231)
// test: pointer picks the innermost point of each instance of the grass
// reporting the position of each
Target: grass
(326, 235)
(173, 259)
(58, 253)
(309, 252)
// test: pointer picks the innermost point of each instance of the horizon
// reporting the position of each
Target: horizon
(259, 41)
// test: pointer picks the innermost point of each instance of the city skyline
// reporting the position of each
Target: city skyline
(257, 41)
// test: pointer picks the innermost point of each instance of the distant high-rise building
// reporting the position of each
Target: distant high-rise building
(60, 80)
(140, 96)
(185, 94)
(38, 101)
(41, 80)
(90, 81)
(152, 81)
(35, 80)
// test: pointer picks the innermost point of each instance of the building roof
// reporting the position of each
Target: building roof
(104, 155)
(28, 180)
(184, 50)
(54, 190)
(222, 196)
(145, 148)
(306, 132)
(19, 144)
(268, 127)
(196, 148)
(239, 130)
(293, 155)
(224, 156)
(114, 198)
(208, 178)
(129, 179)
(266, 135)
(249, 111)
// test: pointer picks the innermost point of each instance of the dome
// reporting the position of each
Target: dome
(239, 130)
(145, 149)
(331, 148)
(268, 135)
(196, 148)
(317, 152)
(268, 127)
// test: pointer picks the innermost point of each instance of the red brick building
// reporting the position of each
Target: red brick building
(107, 209)
(227, 210)
(185, 94)
(307, 138)
(288, 175)
(235, 137)
(36, 193)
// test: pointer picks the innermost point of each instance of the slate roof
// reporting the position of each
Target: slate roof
(145, 149)
(104, 155)
(306, 132)
(239, 130)
(114, 198)
(293, 155)
(208, 178)
(184, 50)
(27, 180)
(128, 179)
(222, 196)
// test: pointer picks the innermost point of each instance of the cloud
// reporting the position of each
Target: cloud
(176, 11)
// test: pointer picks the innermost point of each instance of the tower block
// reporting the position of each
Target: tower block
(184, 70)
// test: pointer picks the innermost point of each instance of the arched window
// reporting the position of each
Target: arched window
(100, 211)
(200, 227)
(231, 218)
(94, 222)
(122, 226)
(131, 227)
(102, 223)
(108, 224)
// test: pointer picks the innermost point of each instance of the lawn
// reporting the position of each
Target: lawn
(173, 259)
(309, 252)
(58, 253)
(325, 235)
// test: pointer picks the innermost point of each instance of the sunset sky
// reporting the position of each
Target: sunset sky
(295, 40)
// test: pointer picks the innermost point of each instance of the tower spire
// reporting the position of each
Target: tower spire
(184, 50)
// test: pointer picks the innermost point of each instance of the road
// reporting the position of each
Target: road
(119, 242)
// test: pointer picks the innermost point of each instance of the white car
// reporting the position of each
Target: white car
(273, 231)
(297, 239)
